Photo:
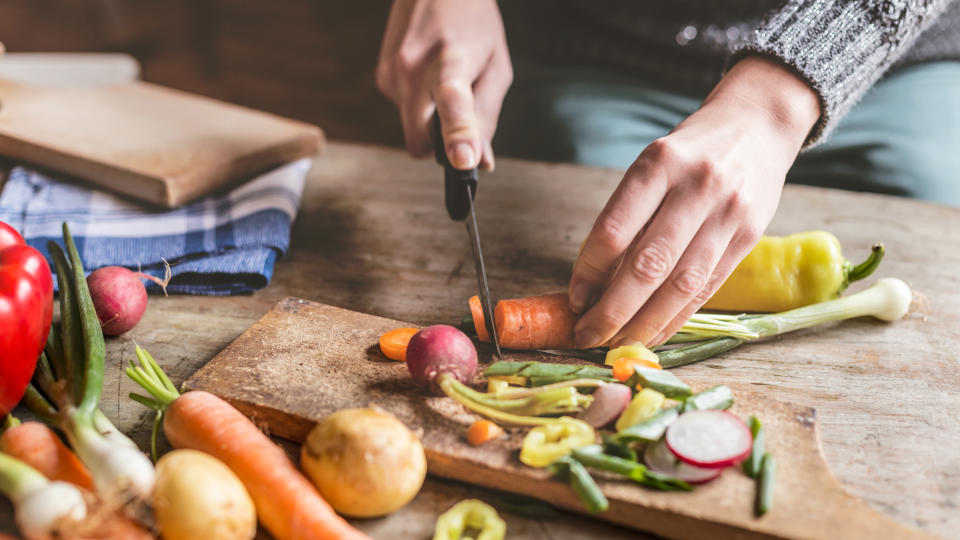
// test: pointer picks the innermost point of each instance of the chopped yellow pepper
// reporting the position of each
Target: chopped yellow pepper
(788, 272)
(643, 406)
(546, 443)
(636, 350)
(470, 514)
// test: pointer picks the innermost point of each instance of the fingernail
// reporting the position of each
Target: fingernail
(463, 156)
(587, 338)
(578, 299)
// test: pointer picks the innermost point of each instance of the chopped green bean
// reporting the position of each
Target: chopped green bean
(751, 465)
(581, 482)
(768, 471)
(662, 381)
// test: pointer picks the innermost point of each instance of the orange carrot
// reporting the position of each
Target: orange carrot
(623, 367)
(393, 344)
(38, 446)
(483, 431)
(535, 322)
(288, 505)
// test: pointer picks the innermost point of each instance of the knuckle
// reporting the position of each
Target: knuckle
(611, 233)
(407, 60)
(689, 281)
(652, 262)
(662, 149)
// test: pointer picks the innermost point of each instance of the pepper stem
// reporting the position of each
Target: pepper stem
(864, 269)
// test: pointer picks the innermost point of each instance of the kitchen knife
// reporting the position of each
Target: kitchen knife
(460, 187)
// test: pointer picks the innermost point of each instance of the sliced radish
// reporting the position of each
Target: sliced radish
(709, 438)
(660, 459)
(609, 400)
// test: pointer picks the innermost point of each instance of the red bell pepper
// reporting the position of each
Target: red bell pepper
(26, 310)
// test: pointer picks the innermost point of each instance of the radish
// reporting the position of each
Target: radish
(660, 459)
(609, 401)
(120, 297)
(709, 438)
(441, 352)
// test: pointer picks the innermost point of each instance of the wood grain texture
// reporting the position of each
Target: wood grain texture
(303, 361)
(373, 236)
(145, 141)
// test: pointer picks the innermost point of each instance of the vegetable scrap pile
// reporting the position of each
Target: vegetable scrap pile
(632, 417)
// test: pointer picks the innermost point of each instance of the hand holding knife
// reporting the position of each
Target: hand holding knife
(460, 187)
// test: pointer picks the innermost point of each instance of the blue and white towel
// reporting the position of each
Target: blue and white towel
(219, 245)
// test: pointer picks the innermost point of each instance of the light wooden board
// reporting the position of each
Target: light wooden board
(148, 142)
(305, 360)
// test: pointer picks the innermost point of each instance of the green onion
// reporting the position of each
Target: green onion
(751, 465)
(768, 471)
(581, 482)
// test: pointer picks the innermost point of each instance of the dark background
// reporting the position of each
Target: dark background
(307, 59)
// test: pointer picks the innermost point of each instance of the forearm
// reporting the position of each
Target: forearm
(839, 47)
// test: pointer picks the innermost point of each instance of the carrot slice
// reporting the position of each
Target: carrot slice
(393, 344)
(623, 367)
(476, 310)
(483, 431)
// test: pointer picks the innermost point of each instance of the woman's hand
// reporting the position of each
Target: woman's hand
(450, 57)
(691, 207)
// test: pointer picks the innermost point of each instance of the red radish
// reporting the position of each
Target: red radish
(709, 438)
(120, 297)
(660, 459)
(609, 400)
(441, 350)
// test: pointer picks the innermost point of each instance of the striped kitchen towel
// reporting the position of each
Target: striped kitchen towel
(220, 245)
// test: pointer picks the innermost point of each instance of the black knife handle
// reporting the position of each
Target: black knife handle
(454, 180)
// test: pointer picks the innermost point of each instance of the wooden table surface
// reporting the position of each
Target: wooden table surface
(373, 236)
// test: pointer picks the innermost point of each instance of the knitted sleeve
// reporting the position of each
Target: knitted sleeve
(840, 47)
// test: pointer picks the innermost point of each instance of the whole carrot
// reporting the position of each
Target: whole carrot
(38, 446)
(287, 504)
(535, 322)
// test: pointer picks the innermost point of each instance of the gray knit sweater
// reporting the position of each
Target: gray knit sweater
(840, 47)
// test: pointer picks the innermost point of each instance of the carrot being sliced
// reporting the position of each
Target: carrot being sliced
(288, 505)
(483, 431)
(38, 446)
(535, 322)
(623, 368)
(393, 344)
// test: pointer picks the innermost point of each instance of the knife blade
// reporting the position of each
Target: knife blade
(460, 188)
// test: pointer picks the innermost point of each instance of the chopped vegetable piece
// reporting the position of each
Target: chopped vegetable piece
(393, 344)
(38, 446)
(651, 429)
(662, 381)
(497, 384)
(637, 351)
(660, 459)
(768, 470)
(483, 431)
(546, 370)
(535, 322)
(470, 514)
(787, 272)
(545, 444)
(642, 407)
(593, 456)
(751, 465)
(623, 368)
(716, 397)
(609, 400)
(581, 482)
(709, 438)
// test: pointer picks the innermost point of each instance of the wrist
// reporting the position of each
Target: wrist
(772, 91)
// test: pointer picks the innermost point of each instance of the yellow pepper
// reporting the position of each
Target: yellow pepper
(636, 350)
(470, 514)
(788, 272)
(547, 443)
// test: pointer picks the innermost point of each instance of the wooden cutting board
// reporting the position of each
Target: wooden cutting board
(304, 360)
(155, 144)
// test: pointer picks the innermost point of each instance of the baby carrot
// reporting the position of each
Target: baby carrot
(38, 446)
(535, 322)
(393, 344)
(623, 368)
(483, 431)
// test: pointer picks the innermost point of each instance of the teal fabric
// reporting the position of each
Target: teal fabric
(902, 138)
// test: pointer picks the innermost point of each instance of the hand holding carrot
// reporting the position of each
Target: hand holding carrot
(690, 207)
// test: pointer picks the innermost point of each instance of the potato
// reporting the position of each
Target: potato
(196, 497)
(364, 462)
